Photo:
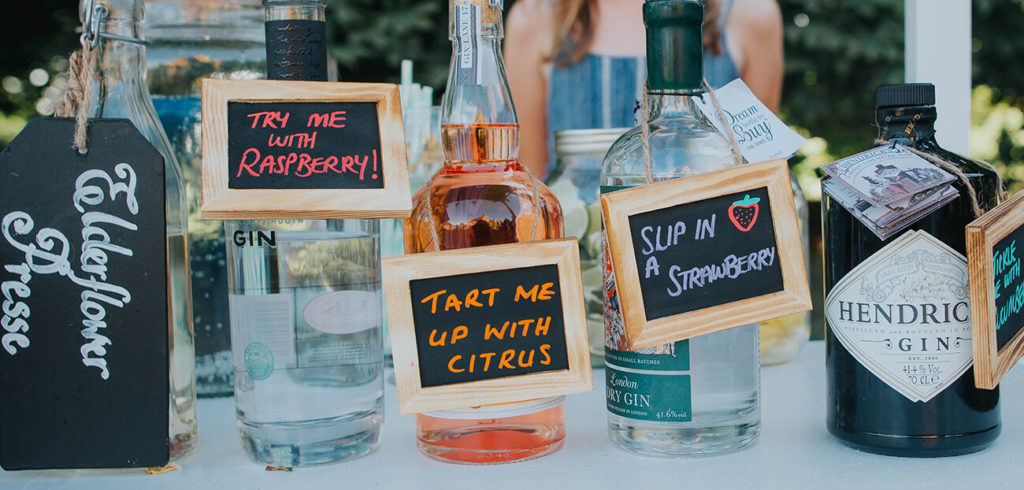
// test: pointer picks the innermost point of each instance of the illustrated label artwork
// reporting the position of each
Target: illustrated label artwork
(706, 253)
(904, 314)
(1009, 286)
(304, 145)
(488, 325)
(84, 363)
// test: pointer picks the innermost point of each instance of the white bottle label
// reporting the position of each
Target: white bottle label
(342, 312)
(263, 329)
(904, 314)
(760, 134)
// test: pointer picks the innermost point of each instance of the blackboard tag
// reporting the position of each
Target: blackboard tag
(487, 325)
(706, 253)
(83, 364)
(305, 150)
(995, 246)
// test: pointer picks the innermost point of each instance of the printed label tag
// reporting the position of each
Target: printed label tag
(467, 25)
(265, 325)
(904, 314)
(342, 312)
(761, 135)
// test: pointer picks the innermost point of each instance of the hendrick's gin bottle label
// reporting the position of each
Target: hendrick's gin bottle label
(904, 315)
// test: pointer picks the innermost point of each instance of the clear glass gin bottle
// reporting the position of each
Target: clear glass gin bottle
(483, 196)
(696, 396)
(305, 301)
(119, 91)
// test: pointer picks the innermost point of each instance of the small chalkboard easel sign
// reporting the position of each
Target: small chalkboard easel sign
(84, 284)
(706, 253)
(995, 245)
(487, 325)
(306, 150)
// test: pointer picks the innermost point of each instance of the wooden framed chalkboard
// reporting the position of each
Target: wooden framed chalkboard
(995, 245)
(307, 150)
(705, 253)
(487, 325)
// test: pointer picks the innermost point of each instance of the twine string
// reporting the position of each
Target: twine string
(735, 147)
(76, 100)
(645, 136)
(645, 131)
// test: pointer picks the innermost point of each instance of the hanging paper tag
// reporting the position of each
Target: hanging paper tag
(760, 134)
(84, 279)
(467, 25)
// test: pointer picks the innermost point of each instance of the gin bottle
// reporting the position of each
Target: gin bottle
(696, 396)
(483, 196)
(305, 303)
(119, 91)
(898, 356)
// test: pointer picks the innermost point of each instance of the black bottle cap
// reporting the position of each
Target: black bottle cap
(905, 95)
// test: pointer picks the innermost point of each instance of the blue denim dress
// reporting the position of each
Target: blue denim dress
(602, 91)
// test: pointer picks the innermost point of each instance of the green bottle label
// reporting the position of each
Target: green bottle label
(612, 188)
(670, 357)
(651, 397)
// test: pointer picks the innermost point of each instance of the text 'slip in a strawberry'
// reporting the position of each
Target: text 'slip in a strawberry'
(747, 201)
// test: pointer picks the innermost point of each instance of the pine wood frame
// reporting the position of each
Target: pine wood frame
(396, 274)
(982, 234)
(221, 202)
(617, 207)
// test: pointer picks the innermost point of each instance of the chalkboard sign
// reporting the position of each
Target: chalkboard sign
(487, 325)
(995, 248)
(83, 365)
(306, 150)
(705, 253)
(303, 145)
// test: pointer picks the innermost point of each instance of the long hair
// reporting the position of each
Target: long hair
(574, 29)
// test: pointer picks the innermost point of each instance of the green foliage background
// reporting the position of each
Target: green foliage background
(837, 51)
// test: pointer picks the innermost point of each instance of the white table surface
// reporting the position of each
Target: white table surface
(794, 451)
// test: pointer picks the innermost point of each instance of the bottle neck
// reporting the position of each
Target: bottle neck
(910, 126)
(673, 104)
(119, 88)
(478, 118)
(675, 49)
(296, 40)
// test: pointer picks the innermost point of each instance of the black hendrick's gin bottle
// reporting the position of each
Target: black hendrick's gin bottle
(898, 356)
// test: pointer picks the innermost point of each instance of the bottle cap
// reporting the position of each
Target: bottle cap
(905, 95)
(675, 48)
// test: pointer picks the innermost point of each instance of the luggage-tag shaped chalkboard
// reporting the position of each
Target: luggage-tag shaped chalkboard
(304, 150)
(84, 358)
(995, 245)
(700, 254)
(487, 325)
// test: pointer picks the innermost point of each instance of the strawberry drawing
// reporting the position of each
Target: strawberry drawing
(743, 213)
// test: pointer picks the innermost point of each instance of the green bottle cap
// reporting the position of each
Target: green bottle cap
(675, 48)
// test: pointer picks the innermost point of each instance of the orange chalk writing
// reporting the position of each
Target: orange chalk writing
(536, 293)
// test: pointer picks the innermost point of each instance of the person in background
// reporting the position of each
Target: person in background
(580, 64)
